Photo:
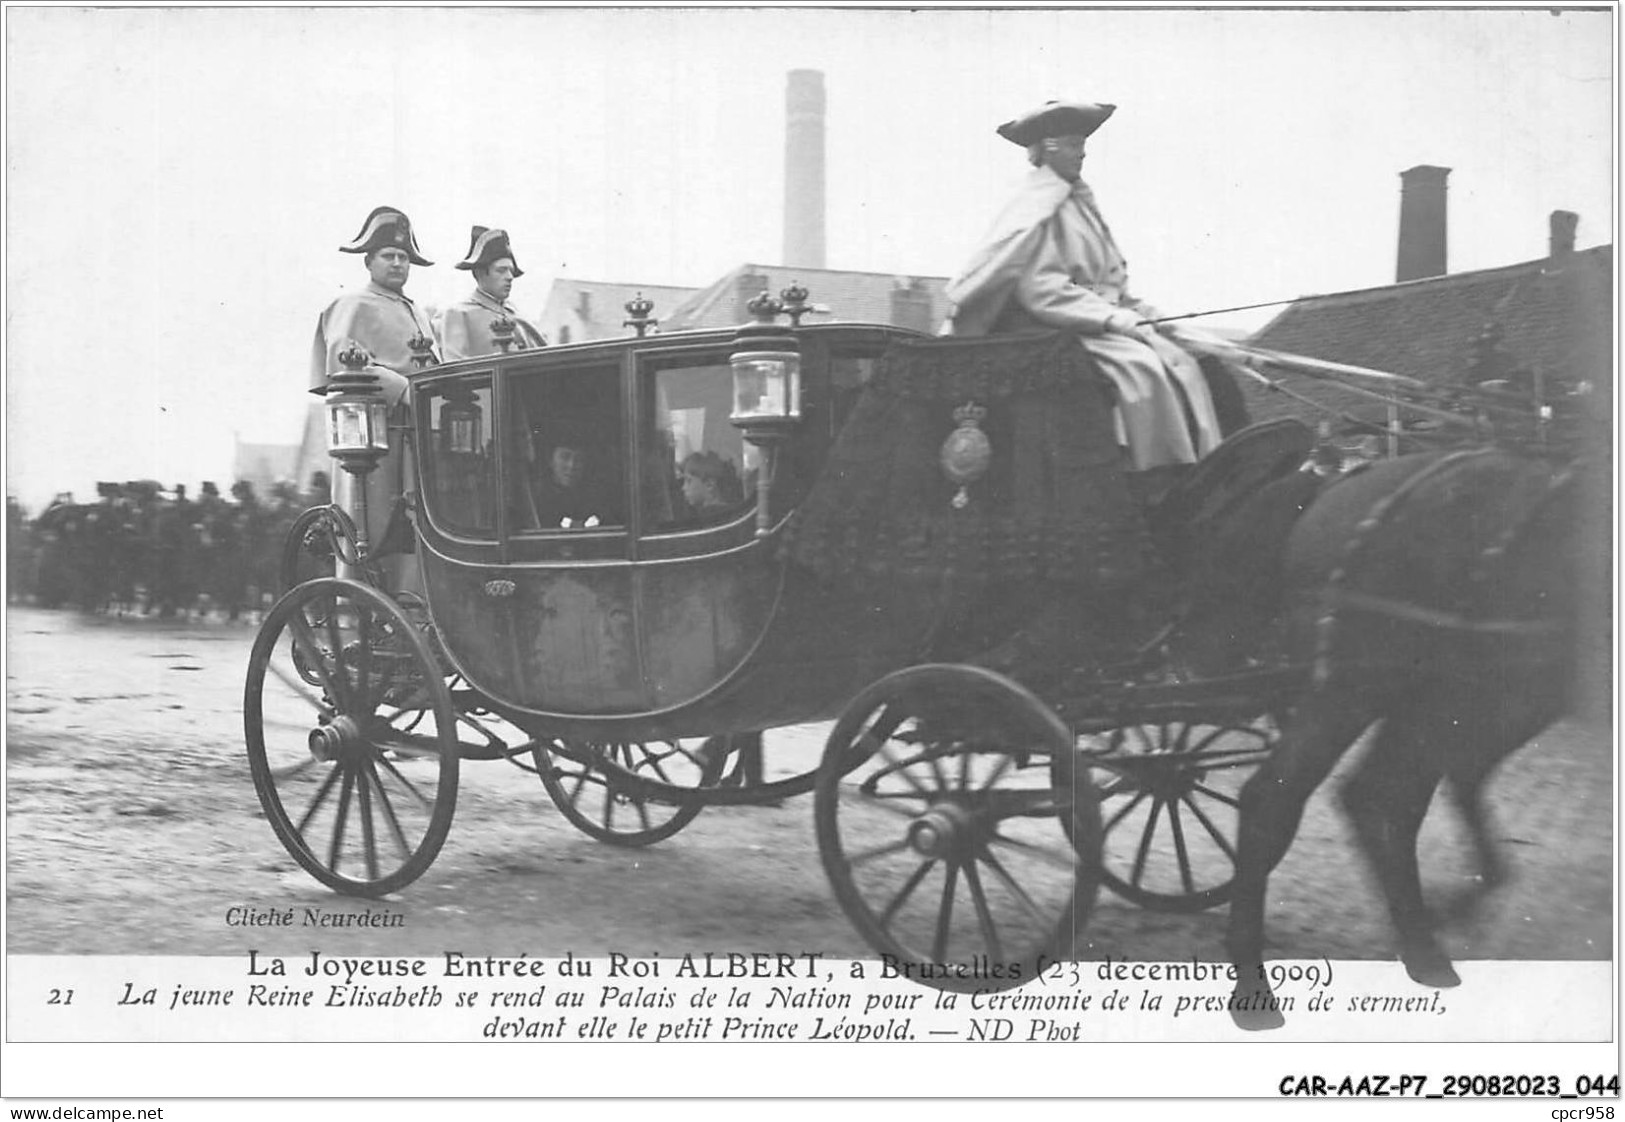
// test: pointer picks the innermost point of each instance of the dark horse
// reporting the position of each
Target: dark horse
(1434, 593)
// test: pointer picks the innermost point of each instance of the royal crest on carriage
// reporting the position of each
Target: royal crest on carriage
(966, 453)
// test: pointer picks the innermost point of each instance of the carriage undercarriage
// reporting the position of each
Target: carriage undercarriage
(962, 818)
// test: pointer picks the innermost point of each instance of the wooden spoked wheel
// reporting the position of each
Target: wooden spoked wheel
(628, 793)
(945, 845)
(352, 738)
(1170, 796)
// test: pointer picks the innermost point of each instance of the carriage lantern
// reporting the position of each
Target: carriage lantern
(766, 364)
(461, 421)
(766, 372)
(357, 414)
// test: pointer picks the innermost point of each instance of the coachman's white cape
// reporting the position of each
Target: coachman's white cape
(1050, 261)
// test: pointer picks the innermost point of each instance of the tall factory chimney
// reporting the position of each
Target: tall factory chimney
(804, 169)
(1423, 223)
(1561, 226)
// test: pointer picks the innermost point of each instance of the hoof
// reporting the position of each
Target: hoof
(1430, 966)
(1255, 1010)
(1257, 1020)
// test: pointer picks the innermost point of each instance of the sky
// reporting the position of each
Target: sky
(178, 180)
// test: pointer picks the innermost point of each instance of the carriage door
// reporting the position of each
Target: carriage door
(567, 508)
(704, 586)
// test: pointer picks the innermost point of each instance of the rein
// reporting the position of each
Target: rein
(1435, 617)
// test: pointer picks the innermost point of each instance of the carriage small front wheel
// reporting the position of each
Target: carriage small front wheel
(629, 793)
(1170, 797)
(944, 809)
(351, 736)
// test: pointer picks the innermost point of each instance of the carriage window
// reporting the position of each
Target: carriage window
(697, 469)
(567, 474)
(848, 374)
(459, 471)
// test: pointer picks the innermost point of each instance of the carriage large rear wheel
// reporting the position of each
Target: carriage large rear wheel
(1170, 797)
(352, 738)
(947, 846)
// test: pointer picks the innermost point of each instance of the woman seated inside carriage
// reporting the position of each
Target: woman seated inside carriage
(567, 495)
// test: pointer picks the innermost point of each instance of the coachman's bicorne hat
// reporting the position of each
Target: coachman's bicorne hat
(1056, 118)
(384, 228)
(486, 246)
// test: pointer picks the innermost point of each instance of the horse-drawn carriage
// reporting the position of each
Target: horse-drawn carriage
(1042, 674)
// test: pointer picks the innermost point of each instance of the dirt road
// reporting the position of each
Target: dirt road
(133, 828)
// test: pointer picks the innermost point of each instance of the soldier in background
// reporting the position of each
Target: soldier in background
(465, 328)
(320, 491)
(141, 543)
(22, 553)
(95, 560)
(285, 506)
(221, 568)
(175, 561)
(127, 550)
(250, 531)
(57, 527)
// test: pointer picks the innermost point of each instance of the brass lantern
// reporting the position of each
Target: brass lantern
(461, 422)
(357, 414)
(766, 364)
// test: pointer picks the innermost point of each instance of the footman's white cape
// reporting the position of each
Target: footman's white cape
(465, 329)
(383, 322)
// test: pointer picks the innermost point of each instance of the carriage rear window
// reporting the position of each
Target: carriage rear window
(567, 474)
(848, 374)
(697, 469)
(459, 466)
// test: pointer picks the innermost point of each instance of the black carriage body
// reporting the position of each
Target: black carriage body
(620, 613)
(595, 568)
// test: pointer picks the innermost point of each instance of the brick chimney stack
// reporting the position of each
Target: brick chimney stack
(804, 170)
(911, 305)
(1563, 224)
(1423, 223)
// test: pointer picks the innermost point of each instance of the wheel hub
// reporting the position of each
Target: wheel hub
(1164, 775)
(339, 737)
(944, 830)
(1171, 779)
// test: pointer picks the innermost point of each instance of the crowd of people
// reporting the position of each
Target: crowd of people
(141, 549)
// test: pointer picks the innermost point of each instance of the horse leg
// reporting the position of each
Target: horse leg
(1386, 799)
(1474, 747)
(1468, 772)
(1272, 802)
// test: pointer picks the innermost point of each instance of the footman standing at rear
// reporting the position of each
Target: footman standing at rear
(465, 329)
(386, 323)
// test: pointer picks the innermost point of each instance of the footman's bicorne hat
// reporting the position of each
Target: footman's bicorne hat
(1056, 118)
(387, 227)
(486, 246)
